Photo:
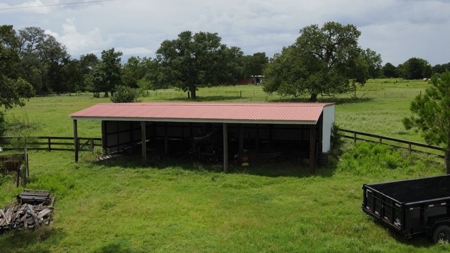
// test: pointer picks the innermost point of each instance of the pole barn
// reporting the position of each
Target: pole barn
(140, 125)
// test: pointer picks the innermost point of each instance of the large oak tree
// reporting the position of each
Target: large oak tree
(415, 68)
(197, 59)
(43, 59)
(107, 74)
(323, 60)
(13, 89)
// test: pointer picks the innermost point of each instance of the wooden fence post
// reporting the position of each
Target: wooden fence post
(225, 147)
(447, 161)
(49, 140)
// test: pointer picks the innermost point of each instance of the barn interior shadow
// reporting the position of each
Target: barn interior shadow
(268, 164)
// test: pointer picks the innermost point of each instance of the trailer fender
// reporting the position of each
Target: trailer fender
(441, 232)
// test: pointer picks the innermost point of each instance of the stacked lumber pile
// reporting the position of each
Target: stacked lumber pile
(35, 197)
(34, 210)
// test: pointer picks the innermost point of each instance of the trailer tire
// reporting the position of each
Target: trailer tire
(441, 233)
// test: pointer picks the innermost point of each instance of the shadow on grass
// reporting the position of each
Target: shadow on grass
(418, 241)
(38, 241)
(120, 246)
(286, 166)
(325, 100)
(206, 99)
(234, 98)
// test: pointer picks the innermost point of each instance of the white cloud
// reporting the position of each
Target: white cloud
(140, 51)
(31, 7)
(78, 43)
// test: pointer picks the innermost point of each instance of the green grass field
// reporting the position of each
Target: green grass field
(179, 206)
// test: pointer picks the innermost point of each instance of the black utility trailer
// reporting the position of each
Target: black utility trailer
(412, 206)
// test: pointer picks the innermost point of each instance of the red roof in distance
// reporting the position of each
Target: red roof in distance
(294, 113)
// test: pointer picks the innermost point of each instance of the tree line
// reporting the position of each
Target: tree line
(320, 61)
(413, 68)
(39, 64)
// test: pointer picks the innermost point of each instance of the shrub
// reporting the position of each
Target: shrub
(368, 158)
(124, 94)
(336, 140)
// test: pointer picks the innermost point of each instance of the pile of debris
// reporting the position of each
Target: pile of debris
(33, 210)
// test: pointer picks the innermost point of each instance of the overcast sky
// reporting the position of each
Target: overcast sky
(396, 29)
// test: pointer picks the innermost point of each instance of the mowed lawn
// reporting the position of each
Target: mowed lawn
(274, 205)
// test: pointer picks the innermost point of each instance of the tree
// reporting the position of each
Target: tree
(441, 68)
(324, 61)
(254, 64)
(54, 57)
(374, 62)
(3, 126)
(196, 59)
(72, 76)
(432, 113)
(107, 73)
(42, 60)
(88, 63)
(390, 70)
(415, 68)
(12, 90)
(133, 71)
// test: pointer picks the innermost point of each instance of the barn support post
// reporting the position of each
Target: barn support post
(27, 167)
(257, 137)
(75, 139)
(132, 141)
(447, 161)
(117, 136)
(320, 141)
(144, 143)
(225, 147)
(166, 140)
(104, 138)
(312, 149)
(241, 137)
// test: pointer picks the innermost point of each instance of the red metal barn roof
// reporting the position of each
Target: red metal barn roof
(293, 113)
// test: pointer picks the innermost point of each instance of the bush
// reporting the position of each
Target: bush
(124, 94)
(337, 140)
(368, 158)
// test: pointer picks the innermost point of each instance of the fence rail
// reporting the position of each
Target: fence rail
(411, 146)
(49, 143)
(53, 143)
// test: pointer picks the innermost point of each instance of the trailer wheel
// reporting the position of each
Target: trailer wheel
(441, 233)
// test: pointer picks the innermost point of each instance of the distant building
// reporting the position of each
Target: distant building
(257, 79)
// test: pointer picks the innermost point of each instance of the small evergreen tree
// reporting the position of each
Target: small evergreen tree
(432, 114)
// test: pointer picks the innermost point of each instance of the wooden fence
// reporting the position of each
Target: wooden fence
(398, 143)
(49, 143)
